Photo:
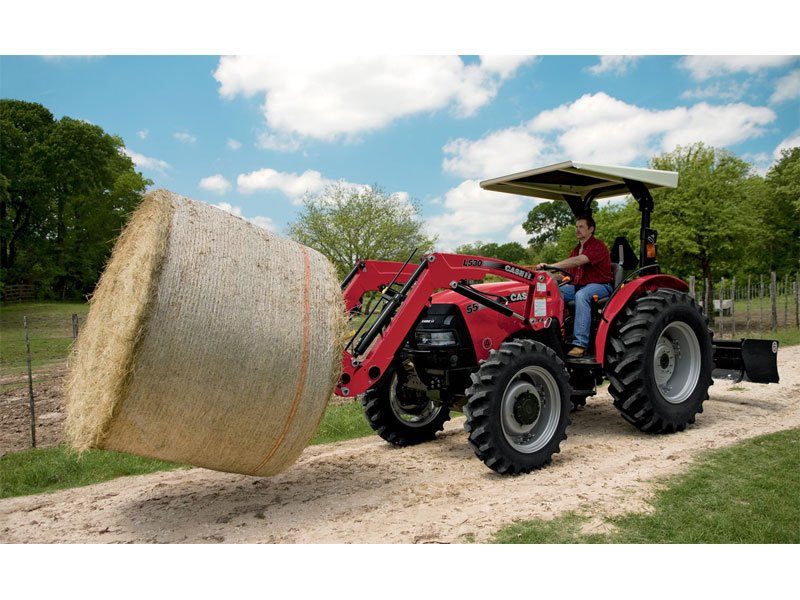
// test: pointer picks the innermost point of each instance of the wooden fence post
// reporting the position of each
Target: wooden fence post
(797, 300)
(761, 302)
(707, 304)
(748, 305)
(691, 286)
(30, 382)
(773, 292)
(786, 301)
(74, 326)
(721, 298)
(733, 305)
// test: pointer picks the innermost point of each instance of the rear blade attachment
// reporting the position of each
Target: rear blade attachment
(746, 360)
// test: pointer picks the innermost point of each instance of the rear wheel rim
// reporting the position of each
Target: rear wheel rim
(425, 417)
(676, 362)
(530, 409)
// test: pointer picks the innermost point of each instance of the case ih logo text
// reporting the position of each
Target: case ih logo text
(516, 297)
(518, 272)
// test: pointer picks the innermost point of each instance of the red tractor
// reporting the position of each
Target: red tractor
(438, 340)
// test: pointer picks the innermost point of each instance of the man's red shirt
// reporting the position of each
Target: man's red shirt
(598, 269)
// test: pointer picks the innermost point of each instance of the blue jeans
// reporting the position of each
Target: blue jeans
(583, 307)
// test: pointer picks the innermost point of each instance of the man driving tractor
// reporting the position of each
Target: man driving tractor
(590, 265)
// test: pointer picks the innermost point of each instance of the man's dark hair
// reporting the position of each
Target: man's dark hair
(589, 220)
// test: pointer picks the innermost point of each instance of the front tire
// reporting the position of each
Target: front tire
(659, 360)
(400, 416)
(518, 407)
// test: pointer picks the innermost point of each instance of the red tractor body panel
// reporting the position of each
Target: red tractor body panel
(489, 329)
(626, 293)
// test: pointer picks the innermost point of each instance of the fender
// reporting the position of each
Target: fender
(627, 292)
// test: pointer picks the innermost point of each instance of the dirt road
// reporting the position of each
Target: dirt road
(367, 491)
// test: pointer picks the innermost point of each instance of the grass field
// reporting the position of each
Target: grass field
(746, 493)
(342, 422)
(48, 469)
(50, 331)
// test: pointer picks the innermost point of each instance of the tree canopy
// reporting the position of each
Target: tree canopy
(510, 251)
(66, 191)
(545, 222)
(347, 223)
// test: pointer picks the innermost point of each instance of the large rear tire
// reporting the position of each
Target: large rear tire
(401, 416)
(659, 359)
(518, 407)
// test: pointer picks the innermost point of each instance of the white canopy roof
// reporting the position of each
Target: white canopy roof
(578, 179)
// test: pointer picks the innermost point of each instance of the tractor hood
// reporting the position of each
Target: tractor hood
(570, 179)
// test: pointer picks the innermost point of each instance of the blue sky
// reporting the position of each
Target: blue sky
(253, 134)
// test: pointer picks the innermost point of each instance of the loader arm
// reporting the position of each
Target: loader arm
(372, 348)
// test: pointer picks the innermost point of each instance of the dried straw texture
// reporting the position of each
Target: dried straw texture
(209, 341)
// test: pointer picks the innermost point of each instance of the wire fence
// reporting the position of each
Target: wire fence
(750, 304)
(32, 369)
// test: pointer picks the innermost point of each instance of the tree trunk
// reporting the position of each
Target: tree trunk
(709, 294)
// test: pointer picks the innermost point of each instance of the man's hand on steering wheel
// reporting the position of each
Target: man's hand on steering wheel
(546, 267)
(562, 276)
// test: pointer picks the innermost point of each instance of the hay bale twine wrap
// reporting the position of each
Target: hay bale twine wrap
(209, 341)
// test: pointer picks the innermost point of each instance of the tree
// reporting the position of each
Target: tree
(346, 223)
(545, 222)
(24, 128)
(510, 251)
(701, 223)
(780, 213)
(69, 191)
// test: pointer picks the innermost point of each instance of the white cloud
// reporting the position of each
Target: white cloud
(617, 64)
(234, 144)
(278, 142)
(599, 128)
(324, 97)
(704, 67)
(519, 235)
(292, 185)
(761, 161)
(143, 134)
(790, 142)
(787, 88)
(498, 153)
(215, 183)
(264, 223)
(146, 162)
(183, 136)
(236, 211)
(730, 91)
(471, 213)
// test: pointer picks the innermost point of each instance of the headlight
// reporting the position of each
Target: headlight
(436, 339)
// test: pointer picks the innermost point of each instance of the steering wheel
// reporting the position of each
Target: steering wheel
(566, 273)
(552, 268)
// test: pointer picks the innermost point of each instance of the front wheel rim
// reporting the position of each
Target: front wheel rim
(427, 416)
(530, 409)
(676, 362)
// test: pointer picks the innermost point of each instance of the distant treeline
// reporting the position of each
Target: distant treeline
(66, 190)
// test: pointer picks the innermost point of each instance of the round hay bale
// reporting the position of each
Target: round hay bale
(209, 341)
